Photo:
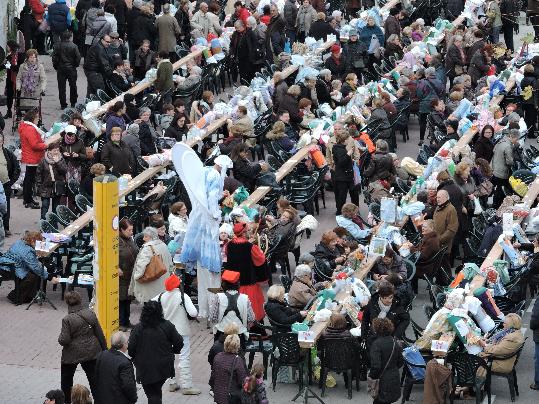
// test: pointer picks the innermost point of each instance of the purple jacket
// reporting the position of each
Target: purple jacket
(220, 375)
(112, 121)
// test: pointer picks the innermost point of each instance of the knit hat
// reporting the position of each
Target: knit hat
(230, 276)
(453, 123)
(70, 129)
(239, 228)
(133, 129)
(352, 32)
(335, 48)
(172, 282)
(226, 228)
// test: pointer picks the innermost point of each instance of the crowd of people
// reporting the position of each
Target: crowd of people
(356, 104)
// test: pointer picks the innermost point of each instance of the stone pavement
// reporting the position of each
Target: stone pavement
(30, 354)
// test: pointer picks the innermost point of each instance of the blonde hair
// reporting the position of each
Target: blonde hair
(232, 344)
(80, 395)
(231, 329)
(276, 292)
(460, 168)
(294, 90)
(513, 320)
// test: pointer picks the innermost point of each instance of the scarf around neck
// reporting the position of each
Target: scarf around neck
(30, 79)
(383, 309)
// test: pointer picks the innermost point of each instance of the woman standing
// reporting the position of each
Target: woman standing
(15, 60)
(32, 151)
(248, 259)
(144, 292)
(51, 179)
(228, 369)
(146, 133)
(22, 259)
(306, 16)
(386, 360)
(116, 155)
(152, 346)
(74, 153)
(31, 80)
(128, 255)
(343, 177)
(82, 339)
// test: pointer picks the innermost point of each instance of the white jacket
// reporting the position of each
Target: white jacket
(144, 292)
(206, 23)
(174, 311)
(176, 225)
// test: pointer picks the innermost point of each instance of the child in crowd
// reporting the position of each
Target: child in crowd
(254, 389)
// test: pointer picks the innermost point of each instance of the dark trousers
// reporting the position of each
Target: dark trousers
(46, 203)
(124, 308)
(10, 94)
(530, 117)
(5, 217)
(534, 19)
(341, 190)
(498, 190)
(39, 42)
(95, 81)
(422, 124)
(28, 184)
(62, 76)
(68, 371)
(154, 392)
(508, 30)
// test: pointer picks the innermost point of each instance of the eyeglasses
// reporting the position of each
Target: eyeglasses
(107, 41)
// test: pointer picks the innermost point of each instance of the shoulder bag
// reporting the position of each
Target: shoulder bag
(59, 187)
(373, 385)
(233, 397)
(154, 270)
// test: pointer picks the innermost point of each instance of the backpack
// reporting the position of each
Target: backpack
(232, 305)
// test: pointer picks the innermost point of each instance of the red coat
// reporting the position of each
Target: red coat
(32, 146)
(37, 9)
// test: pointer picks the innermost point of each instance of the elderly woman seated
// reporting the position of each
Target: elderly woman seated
(278, 312)
(390, 262)
(328, 257)
(21, 262)
(504, 343)
(302, 289)
(349, 220)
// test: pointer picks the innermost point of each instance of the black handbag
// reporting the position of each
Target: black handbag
(60, 188)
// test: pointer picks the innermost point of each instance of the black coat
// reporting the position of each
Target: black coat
(484, 148)
(13, 166)
(175, 132)
(290, 104)
(282, 314)
(453, 58)
(380, 354)
(531, 81)
(534, 321)
(397, 314)
(147, 142)
(275, 38)
(118, 157)
(343, 164)
(152, 350)
(144, 28)
(320, 30)
(114, 379)
(381, 167)
(65, 56)
(246, 172)
(243, 46)
(337, 70)
(324, 253)
(96, 60)
(323, 90)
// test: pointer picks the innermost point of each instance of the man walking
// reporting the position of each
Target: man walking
(65, 60)
(114, 374)
(97, 66)
(168, 29)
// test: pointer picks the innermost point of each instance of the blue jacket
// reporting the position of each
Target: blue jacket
(352, 228)
(58, 16)
(367, 32)
(24, 257)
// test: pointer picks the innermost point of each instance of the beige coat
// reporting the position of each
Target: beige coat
(507, 346)
(168, 29)
(301, 292)
(446, 224)
(206, 23)
(351, 144)
(41, 85)
(144, 292)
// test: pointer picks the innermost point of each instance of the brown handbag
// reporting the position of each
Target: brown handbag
(154, 270)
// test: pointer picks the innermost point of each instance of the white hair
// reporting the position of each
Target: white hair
(302, 270)
(151, 232)
(118, 340)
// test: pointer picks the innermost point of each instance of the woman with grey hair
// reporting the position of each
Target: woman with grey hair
(394, 47)
(302, 289)
(306, 259)
(144, 292)
(146, 133)
(455, 58)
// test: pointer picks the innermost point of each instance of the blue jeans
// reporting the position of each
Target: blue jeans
(536, 379)
(46, 203)
(495, 36)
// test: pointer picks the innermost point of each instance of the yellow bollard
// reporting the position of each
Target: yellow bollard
(106, 223)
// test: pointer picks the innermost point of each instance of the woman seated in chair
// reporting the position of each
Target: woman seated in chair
(327, 253)
(428, 247)
(337, 328)
(278, 312)
(302, 289)
(504, 343)
(383, 304)
(244, 170)
(390, 262)
(21, 258)
(348, 220)
(87, 184)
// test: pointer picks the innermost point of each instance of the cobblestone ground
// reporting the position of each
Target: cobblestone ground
(30, 354)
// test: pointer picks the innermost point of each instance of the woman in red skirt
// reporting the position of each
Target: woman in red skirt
(248, 259)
